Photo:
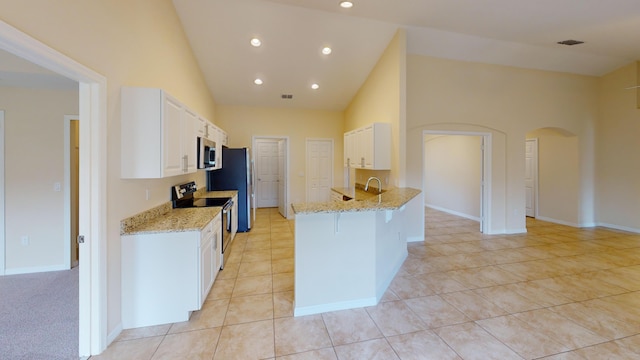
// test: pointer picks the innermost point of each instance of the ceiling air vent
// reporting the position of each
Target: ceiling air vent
(570, 42)
(287, 96)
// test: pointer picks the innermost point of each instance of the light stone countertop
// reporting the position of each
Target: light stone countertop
(216, 194)
(389, 200)
(164, 218)
(176, 220)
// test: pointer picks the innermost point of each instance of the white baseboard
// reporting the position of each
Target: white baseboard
(111, 337)
(35, 269)
(619, 227)
(414, 239)
(556, 221)
(453, 212)
(515, 231)
(343, 305)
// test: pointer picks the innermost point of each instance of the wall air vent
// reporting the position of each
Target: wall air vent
(287, 96)
(570, 42)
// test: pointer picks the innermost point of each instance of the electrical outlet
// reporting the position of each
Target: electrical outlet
(147, 194)
(57, 186)
(24, 240)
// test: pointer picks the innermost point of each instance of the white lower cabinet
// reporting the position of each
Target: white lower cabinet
(166, 276)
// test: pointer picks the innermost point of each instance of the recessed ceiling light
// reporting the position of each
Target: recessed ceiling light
(257, 81)
(346, 4)
(315, 86)
(256, 42)
(326, 50)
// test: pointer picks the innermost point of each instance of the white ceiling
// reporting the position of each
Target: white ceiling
(508, 32)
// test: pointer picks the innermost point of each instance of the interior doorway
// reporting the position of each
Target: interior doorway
(319, 169)
(271, 160)
(92, 172)
(456, 174)
(531, 177)
(71, 187)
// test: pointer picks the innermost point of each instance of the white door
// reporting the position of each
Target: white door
(267, 172)
(531, 176)
(319, 170)
(282, 179)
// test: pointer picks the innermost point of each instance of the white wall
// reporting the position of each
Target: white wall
(382, 98)
(131, 43)
(453, 171)
(34, 162)
(617, 170)
(505, 102)
(559, 172)
(245, 122)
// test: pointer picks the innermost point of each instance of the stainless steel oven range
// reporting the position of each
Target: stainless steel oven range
(182, 197)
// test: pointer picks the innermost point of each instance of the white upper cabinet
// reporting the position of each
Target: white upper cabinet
(158, 135)
(211, 132)
(368, 147)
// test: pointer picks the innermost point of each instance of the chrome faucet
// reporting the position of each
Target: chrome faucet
(366, 187)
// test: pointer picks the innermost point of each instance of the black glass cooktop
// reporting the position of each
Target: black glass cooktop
(208, 202)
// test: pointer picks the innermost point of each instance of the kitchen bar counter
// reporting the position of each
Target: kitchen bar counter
(348, 252)
(389, 200)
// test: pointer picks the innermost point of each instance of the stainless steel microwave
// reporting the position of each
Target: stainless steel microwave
(206, 154)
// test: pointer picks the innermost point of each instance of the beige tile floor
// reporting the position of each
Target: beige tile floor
(554, 293)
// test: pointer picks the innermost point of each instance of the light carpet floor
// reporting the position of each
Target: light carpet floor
(39, 316)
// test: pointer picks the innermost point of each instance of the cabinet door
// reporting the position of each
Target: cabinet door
(206, 267)
(216, 247)
(212, 132)
(189, 141)
(367, 147)
(346, 151)
(359, 148)
(173, 162)
(220, 140)
(351, 155)
(201, 127)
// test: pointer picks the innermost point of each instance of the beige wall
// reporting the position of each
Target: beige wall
(243, 123)
(382, 99)
(453, 171)
(618, 173)
(132, 43)
(558, 176)
(505, 102)
(34, 162)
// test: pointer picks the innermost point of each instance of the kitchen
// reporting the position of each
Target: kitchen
(154, 112)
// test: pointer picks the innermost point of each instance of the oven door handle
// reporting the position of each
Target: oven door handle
(227, 210)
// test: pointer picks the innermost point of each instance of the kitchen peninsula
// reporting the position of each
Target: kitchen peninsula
(348, 252)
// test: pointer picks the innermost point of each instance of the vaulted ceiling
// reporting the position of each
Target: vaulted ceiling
(293, 32)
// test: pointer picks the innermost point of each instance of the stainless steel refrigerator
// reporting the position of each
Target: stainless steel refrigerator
(236, 174)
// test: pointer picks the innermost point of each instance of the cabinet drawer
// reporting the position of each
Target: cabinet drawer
(207, 231)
